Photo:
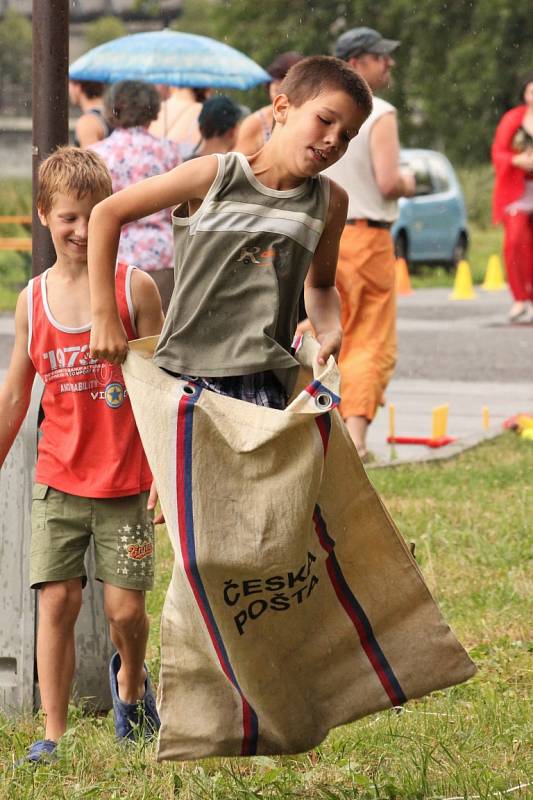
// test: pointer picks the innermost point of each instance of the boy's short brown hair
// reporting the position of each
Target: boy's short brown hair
(72, 171)
(311, 76)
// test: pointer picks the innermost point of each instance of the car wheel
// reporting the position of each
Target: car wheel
(459, 251)
(400, 246)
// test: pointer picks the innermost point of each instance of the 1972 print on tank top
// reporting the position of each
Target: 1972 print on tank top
(89, 445)
(241, 261)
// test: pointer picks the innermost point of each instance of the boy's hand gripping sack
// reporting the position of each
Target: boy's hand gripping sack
(294, 605)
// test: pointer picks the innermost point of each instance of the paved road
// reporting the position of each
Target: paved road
(466, 340)
(461, 353)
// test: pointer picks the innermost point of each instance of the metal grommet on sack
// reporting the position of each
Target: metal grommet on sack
(190, 390)
(323, 401)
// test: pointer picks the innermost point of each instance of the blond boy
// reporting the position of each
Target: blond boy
(92, 478)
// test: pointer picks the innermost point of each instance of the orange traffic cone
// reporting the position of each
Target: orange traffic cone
(403, 282)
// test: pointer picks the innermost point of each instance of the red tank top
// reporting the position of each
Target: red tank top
(89, 445)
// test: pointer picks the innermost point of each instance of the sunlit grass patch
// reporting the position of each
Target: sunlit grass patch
(471, 522)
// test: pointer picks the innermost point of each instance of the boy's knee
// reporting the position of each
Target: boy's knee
(61, 601)
(127, 616)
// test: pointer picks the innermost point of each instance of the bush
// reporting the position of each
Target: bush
(477, 184)
(15, 196)
(15, 267)
(15, 48)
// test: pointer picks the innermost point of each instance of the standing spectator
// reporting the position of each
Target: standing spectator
(369, 172)
(256, 129)
(178, 118)
(91, 126)
(133, 154)
(219, 123)
(512, 156)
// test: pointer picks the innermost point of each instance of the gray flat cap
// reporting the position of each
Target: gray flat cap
(358, 41)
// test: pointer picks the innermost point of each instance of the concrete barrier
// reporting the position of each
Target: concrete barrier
(19, 604)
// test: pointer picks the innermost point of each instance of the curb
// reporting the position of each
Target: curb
(445, 453)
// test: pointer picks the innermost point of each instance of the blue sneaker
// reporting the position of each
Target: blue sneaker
(133, 720)
(41, 752)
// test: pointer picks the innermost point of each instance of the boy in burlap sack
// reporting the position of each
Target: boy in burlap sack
(264, 644)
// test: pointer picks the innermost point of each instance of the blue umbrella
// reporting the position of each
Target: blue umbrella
(172, 58)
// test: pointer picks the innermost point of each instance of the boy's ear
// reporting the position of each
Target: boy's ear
(42, 217)
(280, 108)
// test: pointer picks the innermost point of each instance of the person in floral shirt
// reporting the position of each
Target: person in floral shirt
(133, 154)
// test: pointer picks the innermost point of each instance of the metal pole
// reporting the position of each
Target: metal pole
(49, 104)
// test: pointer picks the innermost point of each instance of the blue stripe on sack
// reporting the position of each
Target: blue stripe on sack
(356, 613)
(250, 720)
(316, 387)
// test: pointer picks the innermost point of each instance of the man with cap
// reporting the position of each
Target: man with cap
(370, 173)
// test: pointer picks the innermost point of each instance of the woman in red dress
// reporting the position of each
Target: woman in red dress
(512, 157)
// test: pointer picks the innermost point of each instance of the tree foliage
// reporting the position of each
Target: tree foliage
(103, 30)
(15, 48)
(457, 69)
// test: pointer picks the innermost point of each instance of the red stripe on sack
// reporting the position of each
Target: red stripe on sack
(183, 449)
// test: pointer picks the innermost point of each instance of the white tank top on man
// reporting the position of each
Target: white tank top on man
(355, 174)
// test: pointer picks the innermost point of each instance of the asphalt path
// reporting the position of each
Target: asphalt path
(461, 353)
(461, 340)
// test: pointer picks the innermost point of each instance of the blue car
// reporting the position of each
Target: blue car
(432, 226)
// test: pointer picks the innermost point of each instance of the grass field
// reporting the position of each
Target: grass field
(471, 520)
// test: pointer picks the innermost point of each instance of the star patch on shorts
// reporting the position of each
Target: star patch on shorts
(135, 549)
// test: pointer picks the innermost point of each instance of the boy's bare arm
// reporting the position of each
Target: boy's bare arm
(322, 300)
(189, 181)
(149, 320)
(15, 392)
(146, 304)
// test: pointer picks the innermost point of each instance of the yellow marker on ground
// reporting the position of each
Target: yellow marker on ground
(486, 417)
(392, 421)
(439, 426)
(494, 279)
(439, 421)
(463, 288)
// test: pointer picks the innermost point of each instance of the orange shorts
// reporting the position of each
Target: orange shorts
(365, 280)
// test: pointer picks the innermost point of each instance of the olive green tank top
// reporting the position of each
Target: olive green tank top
(240, 265)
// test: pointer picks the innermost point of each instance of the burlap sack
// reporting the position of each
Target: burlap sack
(294, 605)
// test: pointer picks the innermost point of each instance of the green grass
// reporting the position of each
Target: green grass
(14, 274)
(471, 520)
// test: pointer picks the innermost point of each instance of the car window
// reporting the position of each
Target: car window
(439, 175)
(419, 165)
